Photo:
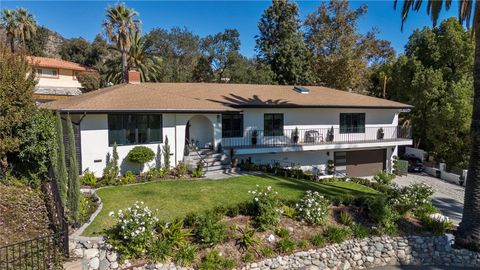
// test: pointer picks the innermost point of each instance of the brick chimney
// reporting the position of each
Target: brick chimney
(133, 76)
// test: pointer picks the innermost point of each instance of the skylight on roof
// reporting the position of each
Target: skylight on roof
(301, 89)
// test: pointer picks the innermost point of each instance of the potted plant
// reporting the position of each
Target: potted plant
(330, 135)
(330, 167)
(295, 135)
(380, 134)
(254, 137)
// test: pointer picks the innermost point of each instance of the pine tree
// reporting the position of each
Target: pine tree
(73, 177)
(166, 154)
(280, 44)
(61, 167)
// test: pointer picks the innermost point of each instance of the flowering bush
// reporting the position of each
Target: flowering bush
(313, 208)
(133, 232)
(411, 198)
(267, 207)
(437, 223)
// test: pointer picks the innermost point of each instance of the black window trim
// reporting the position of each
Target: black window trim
(240, 135)
(110, 144)
(271, 133)
(352, 129)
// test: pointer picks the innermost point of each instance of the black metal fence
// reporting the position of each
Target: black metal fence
(317, 136)
(44, 252)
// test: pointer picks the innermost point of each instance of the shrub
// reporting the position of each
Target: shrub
(88, 178)
(214, 261)
(128, 178)
(89, 80)
(185, 255)
(267, 206)
(191, 219)
(166, 155)
(313, 208)
(437, 223)
(141, 155)
(282, 232)
(133, 231)
(266, 251)
(318, 240)
(246, 239)
(233, 211)
(198, 171)
(160, 250)
(248, 257)
(289, 211)
(174, 233)
(383, 214)
(111, 170)
(346, 218)
(87, 207)
(180, 170)
(286, 245)
(303, 244)
(154, 173)
(337, 234)
(383, 178)
(411, 198)
(359, 231)
(209, 230)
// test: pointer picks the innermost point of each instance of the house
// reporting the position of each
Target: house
(57, 78)
(264, 124)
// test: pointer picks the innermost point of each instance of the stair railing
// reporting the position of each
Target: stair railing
(195, 150)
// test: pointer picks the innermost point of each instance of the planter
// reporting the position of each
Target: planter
(254, 141)
(295, 139)
(380, 134)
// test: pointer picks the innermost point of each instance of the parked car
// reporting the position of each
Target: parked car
(414, 164)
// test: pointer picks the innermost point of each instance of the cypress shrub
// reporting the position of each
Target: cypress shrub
(73, 177)
(60, 165)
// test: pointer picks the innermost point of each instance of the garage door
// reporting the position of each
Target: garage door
(365, 162)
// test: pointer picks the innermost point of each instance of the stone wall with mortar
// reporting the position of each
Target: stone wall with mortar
(351, 254)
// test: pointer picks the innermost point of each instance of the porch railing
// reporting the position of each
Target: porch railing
(317, 136)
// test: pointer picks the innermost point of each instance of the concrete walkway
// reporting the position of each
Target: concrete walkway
(448, 198)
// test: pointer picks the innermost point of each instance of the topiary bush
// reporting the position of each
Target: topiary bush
(141, 155)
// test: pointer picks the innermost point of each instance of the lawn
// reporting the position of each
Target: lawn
(176, 198)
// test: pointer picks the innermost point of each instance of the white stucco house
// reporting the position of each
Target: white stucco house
(307, 126)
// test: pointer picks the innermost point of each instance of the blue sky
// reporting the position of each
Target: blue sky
(84, 18)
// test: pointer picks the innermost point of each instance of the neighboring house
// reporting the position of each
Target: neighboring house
(266, 124)
(57, 78)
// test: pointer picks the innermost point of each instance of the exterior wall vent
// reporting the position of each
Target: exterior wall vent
(301, 89)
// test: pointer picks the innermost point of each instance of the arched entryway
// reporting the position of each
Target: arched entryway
(199, 131)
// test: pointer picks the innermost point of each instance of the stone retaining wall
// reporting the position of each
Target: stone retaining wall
(351, 254)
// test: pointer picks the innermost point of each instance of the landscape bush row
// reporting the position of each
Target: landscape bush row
(140, 155)
(268, 225)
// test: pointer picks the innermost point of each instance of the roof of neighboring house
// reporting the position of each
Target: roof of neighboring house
(46, 62)
(53, 90)
(183, 97)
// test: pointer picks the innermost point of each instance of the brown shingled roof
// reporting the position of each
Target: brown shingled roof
(213, 97)
(47, 62)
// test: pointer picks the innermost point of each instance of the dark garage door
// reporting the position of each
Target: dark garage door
(365, 162)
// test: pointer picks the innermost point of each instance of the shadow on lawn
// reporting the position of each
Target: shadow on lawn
(323, 188)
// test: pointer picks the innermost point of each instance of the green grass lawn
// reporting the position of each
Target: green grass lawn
(176, 198)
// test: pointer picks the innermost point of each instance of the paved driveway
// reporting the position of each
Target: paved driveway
(448, 198)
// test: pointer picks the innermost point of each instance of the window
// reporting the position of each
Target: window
(75, 74)
(232, 125)
(352, 123)
(273, 124)
(125, 129)
(47, 72)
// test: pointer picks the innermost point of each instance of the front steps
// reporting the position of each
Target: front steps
(214, 162)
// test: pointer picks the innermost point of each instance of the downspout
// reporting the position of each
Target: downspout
(176, 140)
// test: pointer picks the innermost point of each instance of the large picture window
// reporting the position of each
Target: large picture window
(273, 124)
(232, 125)
(47, 72)
(352, 123)
(127, 129)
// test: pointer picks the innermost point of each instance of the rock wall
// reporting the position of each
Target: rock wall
(351, 254)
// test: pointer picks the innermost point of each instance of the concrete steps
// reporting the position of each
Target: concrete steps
(214, 162)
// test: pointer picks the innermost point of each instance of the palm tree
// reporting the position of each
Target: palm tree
(19, 24)
(147, 64)
(119, 25)
(468, 233)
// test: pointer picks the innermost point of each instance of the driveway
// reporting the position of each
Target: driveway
(448, 198)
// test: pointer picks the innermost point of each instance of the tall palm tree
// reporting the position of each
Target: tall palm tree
(468, 234)
(147, 64)
(19, 24)
(119, 25)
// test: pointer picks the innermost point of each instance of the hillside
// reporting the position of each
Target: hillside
(52, 41)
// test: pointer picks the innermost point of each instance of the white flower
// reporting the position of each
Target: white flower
(111, 213)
